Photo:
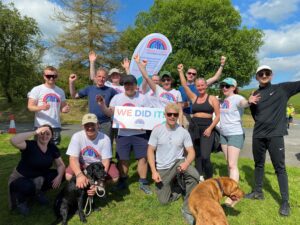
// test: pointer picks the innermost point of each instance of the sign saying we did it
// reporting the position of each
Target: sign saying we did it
(138, 117)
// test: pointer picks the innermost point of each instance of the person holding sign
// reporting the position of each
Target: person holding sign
(165, 93)
(130, 138)
(172, 172)
(202, 123)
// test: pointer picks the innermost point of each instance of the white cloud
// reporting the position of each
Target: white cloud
(287, 64)
(273, 10)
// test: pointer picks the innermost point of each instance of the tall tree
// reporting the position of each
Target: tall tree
(20, 52)
(88, 27)
(200, 31)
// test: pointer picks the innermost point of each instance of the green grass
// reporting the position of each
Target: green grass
(135, 208)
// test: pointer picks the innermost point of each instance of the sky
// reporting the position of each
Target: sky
(279, 20)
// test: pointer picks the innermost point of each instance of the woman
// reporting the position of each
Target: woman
(202, 123)
(33, 175)
(231, 132)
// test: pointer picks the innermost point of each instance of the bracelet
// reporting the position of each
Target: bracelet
(221, 65)
(79, 174)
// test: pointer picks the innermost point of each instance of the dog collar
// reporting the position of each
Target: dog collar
(219, 185)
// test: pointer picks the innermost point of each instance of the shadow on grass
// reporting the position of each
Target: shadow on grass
(229, 211)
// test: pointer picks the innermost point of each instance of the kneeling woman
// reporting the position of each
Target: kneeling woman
(33, 175)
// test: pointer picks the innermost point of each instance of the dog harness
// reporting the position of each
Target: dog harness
(220, 186)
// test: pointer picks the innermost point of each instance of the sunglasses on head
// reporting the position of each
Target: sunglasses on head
(49, 76)
(165, 79)
(264, 72)
(172, 114)
(227, 86)
(191, 73)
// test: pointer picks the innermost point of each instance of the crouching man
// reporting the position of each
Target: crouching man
(87, 146)
(171, 170)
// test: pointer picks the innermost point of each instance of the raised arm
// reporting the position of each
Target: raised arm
(191, 95)
(218, 74)
(253, 99)
(72, 79)
(92, 59)
(108, 111)
(142, 67)
(126, 65)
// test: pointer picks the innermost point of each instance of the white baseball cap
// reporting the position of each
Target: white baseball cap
(263, 67)
(113, 70)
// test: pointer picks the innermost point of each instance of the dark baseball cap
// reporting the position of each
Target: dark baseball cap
(129, 79)
(165, 73)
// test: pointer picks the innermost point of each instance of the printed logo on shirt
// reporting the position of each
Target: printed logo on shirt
(225, 104)
(51, 97)
(168, 96)
(89, 151)
(129, 104)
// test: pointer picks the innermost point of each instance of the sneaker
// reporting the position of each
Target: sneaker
(188, 217)
(145, 188)
(42, 199)
(121, 185)
(23, 209)
(285, 209)
(255, 195)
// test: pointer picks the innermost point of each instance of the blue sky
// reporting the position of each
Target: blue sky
(279, 19)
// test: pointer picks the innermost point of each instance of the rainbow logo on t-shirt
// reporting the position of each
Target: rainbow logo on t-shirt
(51, 97)
(89, 151)
(129, 104)
(225, 104)
(168, 96)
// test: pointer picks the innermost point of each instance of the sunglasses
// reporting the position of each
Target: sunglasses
(191, 73)
(166, 79)
(264, 72)
(49, 76)
(172, 114)
(227, 86)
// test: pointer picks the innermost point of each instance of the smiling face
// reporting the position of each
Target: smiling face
(264, 77)
(191, 75)
(115, 78)
(100, 78)
(166, 82)
(227, 89)
(130, 89)
(45, 137)
(201, 86)
(91, 130)
(50, 76)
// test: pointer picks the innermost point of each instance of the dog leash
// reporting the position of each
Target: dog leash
(219, 185)
(89, 202)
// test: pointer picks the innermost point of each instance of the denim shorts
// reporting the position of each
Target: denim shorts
(233, 140)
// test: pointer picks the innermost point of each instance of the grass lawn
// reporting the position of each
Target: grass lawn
(136, 208)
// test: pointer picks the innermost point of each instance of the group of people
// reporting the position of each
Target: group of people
(192, 117)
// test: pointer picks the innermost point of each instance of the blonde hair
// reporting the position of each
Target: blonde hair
(173, 106)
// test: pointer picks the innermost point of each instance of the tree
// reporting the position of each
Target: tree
(88, 27)
(200, 31)
(20, 52)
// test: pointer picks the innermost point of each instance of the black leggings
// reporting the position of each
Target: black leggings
(24, 188)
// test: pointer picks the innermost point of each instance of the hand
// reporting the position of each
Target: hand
(45, 106)
(92, 56)
(66, 109)
(183, 167)
(137, 58)
(223, 60)
(100, 100)
(42, 130)
(156, 177)
(56, 182)
(92, 191)
(72, 78)
(207, 132)
(126, 63)
(180, 67)
(254, 99)
(81, 181)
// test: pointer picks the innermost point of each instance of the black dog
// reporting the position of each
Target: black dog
(72, 198)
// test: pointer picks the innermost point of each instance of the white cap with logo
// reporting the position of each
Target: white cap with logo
(89, 118)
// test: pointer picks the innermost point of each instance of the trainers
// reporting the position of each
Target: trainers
(255, 195)
(188, 217)
(145, 188)
(42, 199)
(285, 209)
(23, 208)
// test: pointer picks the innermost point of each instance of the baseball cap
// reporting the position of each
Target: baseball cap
(230, 81)
(89, 118)
(129, 79)
(113, 70)
(165, 73)
(263, 67)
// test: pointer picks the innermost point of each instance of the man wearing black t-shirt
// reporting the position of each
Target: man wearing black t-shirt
(269, 128)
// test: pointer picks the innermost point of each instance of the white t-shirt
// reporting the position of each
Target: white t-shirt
(165, 97)
(138, 100)
(231, 116)
(52, 96)
(89, 151)
(118, 88)
(169, 145)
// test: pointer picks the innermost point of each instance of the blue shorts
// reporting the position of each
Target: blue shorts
(233, 140)
(138, 143)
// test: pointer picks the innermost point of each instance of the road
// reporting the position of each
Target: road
(292, 141)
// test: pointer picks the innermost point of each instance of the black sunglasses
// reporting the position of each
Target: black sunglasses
(264, 72)
(165, 79)
(48, 76)
(172, 114)
(191, 73)
(227, 86)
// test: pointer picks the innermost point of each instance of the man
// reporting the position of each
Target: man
(145, 88)
(269, 115)
(166, 159)
(191, 76)
(130, 138)
(47, 101)
(93, 92)
(88, 146)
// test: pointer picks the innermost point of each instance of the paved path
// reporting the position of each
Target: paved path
(292, 141)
